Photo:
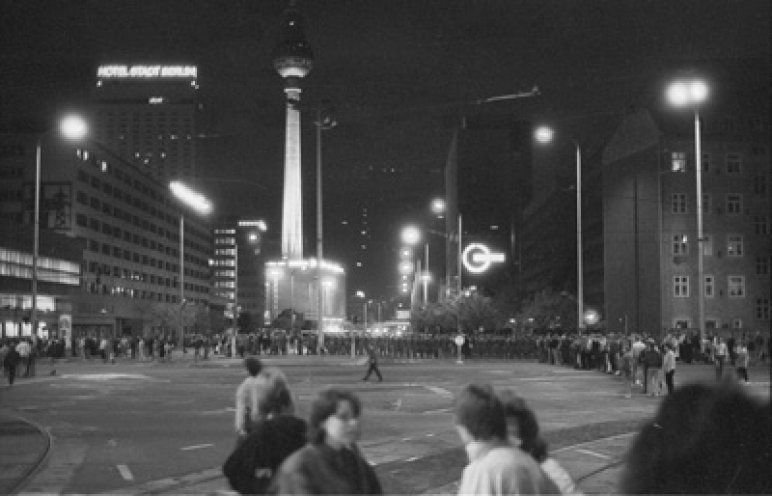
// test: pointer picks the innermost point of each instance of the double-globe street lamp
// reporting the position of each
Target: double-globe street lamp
(545, 134)
(71, 127)
(201, 205)
(691, 92)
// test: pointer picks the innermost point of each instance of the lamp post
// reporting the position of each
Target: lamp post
(71, 127)
(691, 92)
(544, 134)
(324, 121)
(201, 205)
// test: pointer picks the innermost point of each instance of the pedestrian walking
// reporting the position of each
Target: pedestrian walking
(24, 350)
(669, 367)
(495, 466)
(742, 361)
(247, 398)
(719, 357)
(278, 433)
(330, 463)
(11, 362)
(523, 432)
(372, 361)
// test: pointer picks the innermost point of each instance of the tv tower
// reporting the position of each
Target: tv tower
(293, 60)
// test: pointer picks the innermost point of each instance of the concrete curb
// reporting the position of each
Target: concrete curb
(38, 457)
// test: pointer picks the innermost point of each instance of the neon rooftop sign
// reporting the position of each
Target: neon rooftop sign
(147, 71)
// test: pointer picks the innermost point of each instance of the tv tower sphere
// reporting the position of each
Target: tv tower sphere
(292, 57)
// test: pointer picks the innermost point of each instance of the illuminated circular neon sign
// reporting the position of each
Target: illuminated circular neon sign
(477, 258)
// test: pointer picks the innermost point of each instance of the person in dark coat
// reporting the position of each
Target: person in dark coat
(331, 462)
(277, 434)
(372, 360)
(11, 362)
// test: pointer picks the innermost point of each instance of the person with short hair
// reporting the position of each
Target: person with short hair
(669, 367)
(742, 360)
(705, 439)
(250, 469)
(247, 397)
(330, 463)
(495, 466)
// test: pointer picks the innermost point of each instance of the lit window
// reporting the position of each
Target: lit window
(734, 245)
(736, 286)
(733, 163)
(681, 286)
(679, 203)
(678, 162)
(734, 203)
(710, 286)
(680, 246)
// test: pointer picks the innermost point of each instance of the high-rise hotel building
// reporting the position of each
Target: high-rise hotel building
(147, 115)
(109, 198)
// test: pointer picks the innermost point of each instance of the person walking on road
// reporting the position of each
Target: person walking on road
(719, 357)
(668, 367)
(742, 361)
(11, 362)
(247, 398)
(277, 434)
(372, 360)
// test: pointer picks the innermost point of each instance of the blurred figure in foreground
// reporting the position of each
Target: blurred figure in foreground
(523, 431)
(495, 466)
(331, 462)
(705, 439)
(277, 434)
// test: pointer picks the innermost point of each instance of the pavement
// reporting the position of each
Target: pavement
(593, 461)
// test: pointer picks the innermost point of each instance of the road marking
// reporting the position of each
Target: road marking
(406, 438)
(441, 410)
(430, 435)
(125, 472)
(196, 446)
(412, 459)
(594, 441)
(440, 391)
(593, 453)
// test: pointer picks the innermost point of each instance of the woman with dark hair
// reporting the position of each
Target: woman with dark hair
(523, 431)
(330, 463)
(274, 436)
(705, 439)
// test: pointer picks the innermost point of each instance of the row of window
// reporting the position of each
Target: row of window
(733, 163)
(136, 239)
(735, 286)
(140, 294)
(132, 256)
(733, 204)
(100, 271)
(735, 247)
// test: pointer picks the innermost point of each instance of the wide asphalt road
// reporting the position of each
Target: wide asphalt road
(163, 427)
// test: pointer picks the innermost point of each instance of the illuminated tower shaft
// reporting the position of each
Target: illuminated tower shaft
(292, 206)
(293, 60)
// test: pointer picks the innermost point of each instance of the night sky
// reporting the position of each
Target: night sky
(398, 73)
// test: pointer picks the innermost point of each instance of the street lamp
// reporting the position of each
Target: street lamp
(545, 134)
(691, 92)
(360, 294)
(71, 127)
(201, 205)
(324, 121)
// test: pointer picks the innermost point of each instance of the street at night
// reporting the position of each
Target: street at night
(148, 428)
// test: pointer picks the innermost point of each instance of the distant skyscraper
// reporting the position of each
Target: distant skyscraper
(147, 115)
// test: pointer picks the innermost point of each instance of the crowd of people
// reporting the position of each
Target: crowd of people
(705, 439)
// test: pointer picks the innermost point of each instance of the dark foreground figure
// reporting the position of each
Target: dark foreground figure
(705, 439)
